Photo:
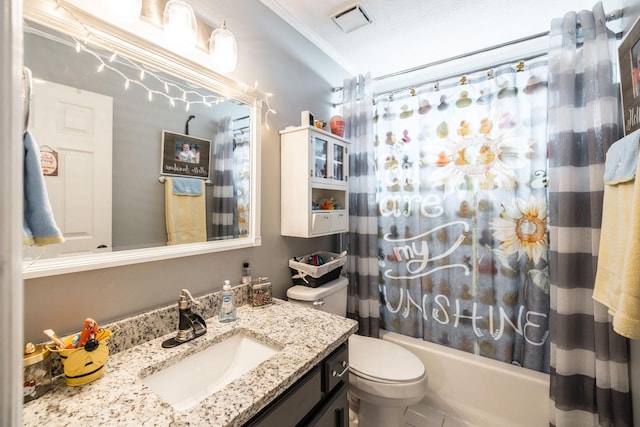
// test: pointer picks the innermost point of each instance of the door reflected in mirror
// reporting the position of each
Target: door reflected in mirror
(102, 117)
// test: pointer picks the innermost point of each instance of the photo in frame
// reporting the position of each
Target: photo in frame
(185, 155)
(629, 58)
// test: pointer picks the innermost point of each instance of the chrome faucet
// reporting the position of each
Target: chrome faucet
(190, 324)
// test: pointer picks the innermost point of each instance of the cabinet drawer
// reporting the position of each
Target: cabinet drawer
(339, 221)
(336, 368)
(327, 222)
(320, 223)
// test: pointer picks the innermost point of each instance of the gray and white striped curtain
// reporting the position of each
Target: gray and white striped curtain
(589, 361)
(224, 209)
(362, 266)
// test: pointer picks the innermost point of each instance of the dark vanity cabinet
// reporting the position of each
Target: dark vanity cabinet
(319, 398)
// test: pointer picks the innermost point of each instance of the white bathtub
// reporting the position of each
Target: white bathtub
(465, 388)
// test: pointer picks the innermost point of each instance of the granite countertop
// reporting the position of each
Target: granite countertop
(119, 397)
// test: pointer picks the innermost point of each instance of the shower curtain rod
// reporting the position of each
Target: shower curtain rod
(461, 56)
(613, 16)
(520, 61)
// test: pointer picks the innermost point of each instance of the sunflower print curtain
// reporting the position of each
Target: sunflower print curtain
(462, 208)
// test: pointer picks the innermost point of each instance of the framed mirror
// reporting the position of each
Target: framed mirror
(125, 128)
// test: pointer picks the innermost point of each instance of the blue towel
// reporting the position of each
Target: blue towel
(187, 186)
(622, 159)
(39, 225)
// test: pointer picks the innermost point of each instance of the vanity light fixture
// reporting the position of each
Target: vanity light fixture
(180, 26)
(125, 10)
(223, 49)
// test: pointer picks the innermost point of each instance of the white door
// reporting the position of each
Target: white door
(78, 125)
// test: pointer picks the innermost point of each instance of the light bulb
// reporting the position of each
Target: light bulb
(125, 10)
(180, 26)
(223, 49)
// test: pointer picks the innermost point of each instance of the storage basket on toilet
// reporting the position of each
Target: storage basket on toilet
(316, 269)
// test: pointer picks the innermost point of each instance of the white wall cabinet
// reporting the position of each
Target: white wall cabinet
(314, 170)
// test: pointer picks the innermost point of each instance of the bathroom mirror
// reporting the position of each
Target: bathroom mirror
(139, 105)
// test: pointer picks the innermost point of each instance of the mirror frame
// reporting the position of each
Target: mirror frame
(192, 68)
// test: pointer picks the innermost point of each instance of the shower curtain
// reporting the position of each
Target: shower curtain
(242, 181)
(589, 361)
(362, 268)
(461, 199)
(224, 209)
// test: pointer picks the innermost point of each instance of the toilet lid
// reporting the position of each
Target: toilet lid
(383, 361)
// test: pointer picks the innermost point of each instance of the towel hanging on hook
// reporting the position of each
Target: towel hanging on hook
(27, 90)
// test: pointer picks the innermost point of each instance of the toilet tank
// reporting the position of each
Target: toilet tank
(330, 297)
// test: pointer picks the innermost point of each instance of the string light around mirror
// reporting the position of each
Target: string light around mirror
(144, 74)
(208, 100)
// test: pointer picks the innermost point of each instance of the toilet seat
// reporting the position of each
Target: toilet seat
(383, 362)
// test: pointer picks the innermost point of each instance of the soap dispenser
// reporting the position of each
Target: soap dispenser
(227, 307)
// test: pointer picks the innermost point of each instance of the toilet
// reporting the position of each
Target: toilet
(384, 378)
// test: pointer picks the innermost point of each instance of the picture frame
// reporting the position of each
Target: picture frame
(629, 59)
(185, 155)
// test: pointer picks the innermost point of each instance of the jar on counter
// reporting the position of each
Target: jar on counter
(36, 371)
(260, 292)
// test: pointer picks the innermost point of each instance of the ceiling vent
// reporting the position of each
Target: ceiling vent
(352, 18)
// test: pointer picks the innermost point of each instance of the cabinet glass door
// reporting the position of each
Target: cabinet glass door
(321, 152)
(338, 162)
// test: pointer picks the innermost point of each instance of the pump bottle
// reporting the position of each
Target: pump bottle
(227, 308)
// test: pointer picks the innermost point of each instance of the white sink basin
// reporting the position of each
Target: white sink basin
(189, 381)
